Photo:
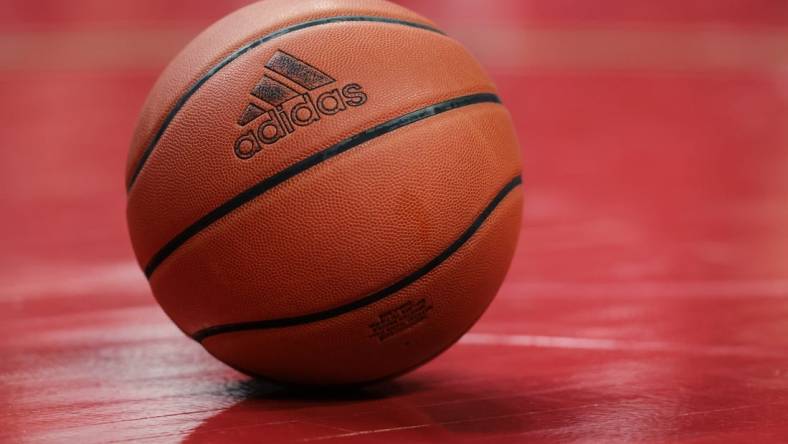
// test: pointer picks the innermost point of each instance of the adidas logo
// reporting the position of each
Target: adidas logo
(289, 91)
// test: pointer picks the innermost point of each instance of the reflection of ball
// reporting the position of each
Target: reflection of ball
(324, 192)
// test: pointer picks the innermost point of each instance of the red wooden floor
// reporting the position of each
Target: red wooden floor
(648, 301)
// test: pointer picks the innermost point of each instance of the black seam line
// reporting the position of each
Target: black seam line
(374, 297)
(305, 164)
(241, 51)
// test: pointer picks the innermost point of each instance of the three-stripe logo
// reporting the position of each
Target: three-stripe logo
(289, 99)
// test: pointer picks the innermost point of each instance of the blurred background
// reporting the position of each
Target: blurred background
(655, 147)
(654, 128)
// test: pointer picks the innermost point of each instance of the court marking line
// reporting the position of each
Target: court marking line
(749, 288)
(606, 344)
(44, 279)
(601, 47)
(609, 47)
(654, 49)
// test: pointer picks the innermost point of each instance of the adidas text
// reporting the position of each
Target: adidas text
(303, 101)
(302, 111)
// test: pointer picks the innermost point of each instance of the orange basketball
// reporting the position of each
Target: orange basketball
(324, 191)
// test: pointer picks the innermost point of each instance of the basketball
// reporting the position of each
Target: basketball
(324, 192)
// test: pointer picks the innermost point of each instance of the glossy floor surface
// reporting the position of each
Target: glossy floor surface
(648, 300)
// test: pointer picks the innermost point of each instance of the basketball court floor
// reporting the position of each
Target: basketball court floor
(647, 302)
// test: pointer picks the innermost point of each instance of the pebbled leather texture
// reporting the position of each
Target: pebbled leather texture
(194, 167)
(344, 228)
